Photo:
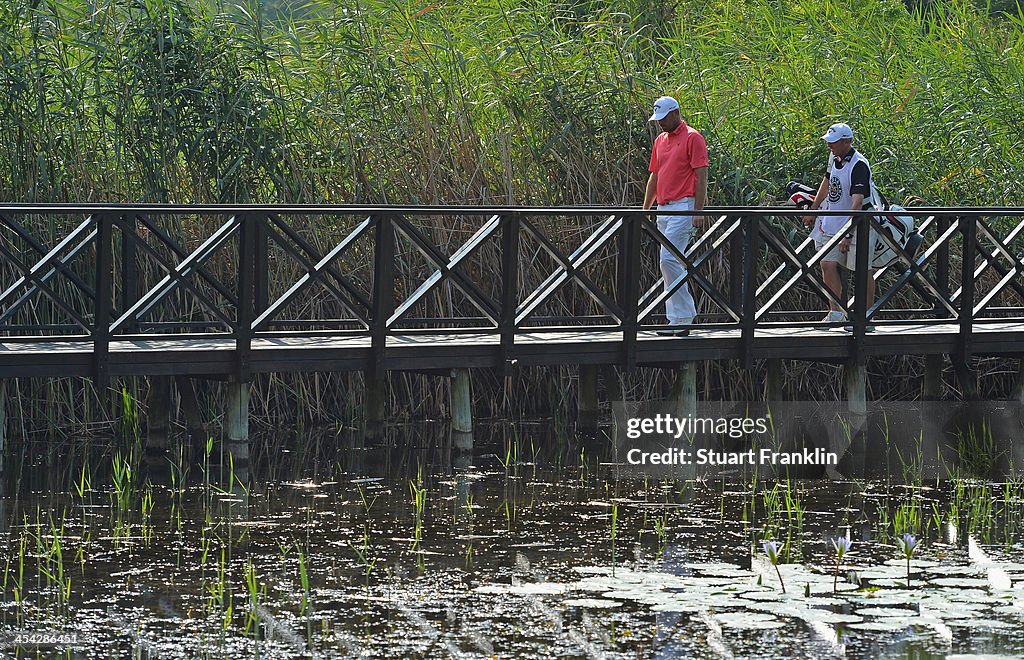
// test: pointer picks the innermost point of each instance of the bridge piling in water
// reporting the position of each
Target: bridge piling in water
(967, 379)
(158, 418)
(932, 386)
(190, 409)
(236, 419)
(684, 390)
(375, 394)
(462, 409)
(1018, 384)
(775, 381)
(587, 402)
(855, 381)
(612, 384)
(3, 422)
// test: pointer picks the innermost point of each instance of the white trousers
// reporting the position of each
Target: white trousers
(678, 229)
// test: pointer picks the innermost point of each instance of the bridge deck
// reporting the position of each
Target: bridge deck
(215, 355)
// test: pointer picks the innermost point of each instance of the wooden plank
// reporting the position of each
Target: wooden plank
(211, 356)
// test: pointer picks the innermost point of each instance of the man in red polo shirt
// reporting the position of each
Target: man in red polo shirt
(678, 182)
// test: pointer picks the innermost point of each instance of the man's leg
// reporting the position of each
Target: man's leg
(851, 262)
(679, 308)
(830, 273)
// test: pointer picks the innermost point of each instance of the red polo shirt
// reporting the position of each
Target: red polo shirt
(674, 157)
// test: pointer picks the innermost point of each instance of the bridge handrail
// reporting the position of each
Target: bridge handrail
(116, 264)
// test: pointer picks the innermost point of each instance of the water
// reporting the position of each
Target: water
(510, 553)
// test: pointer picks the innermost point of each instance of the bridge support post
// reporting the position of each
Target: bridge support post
(3, 423)
(462, 409)
(612, 385)
(684, 390)
(931, 389)
(236, 420)
(194, 426)
(374, 397)
(967, 380)
(774, 383)
(849, 443)
(855, 377)
(158, 419)
(1018, 384)
(587, 405)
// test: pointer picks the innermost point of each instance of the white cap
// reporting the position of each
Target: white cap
(838, 132)
(662, 107)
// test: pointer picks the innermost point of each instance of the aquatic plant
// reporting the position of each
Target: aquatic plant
(207, 454)
(771, 550)
(147, 512)
(83, 484)
(615, 522)
(772, 504)
(977, 450)
(419, 499)
(363, 550)
(511, 459)
(907, 545)
(842, 545)
(305, 608)
(795, 519)
(130, 426)
(255, 594)
(908, 517)
(661, 531)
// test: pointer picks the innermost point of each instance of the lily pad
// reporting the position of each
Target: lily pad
(537, 589)
(968, 595)
(985, 624)
(593, 603)
(915, 564)
(883, 598)
(824, 616)
(892, 624)
(885, 612)
(748, 621)
(770, 596)
(676, 607)
(893, 583)
(960, 582)
(973, 569)
(721, 569)
(883, 572)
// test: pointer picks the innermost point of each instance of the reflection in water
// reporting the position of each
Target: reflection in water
(413, 549)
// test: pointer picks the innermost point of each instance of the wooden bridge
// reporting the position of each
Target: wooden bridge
(226, 292)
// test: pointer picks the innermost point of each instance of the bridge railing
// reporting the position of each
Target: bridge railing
(238, 273)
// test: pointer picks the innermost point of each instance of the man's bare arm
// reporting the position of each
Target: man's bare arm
(700, 194)
(652, 190)
(819, 197)
(856, 202)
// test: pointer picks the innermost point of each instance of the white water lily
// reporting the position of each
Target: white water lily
(907, 544)
(771, 549)
(842, 545)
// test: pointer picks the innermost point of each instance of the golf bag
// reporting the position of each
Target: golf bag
(900, 227)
